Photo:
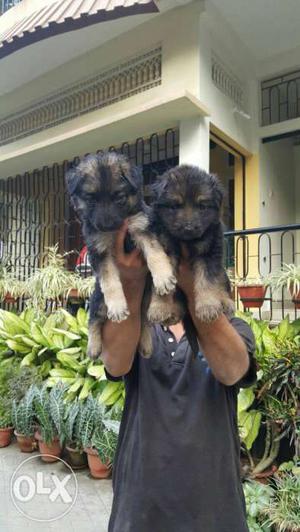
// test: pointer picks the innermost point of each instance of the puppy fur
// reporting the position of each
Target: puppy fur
(105, 190)
(187, 209)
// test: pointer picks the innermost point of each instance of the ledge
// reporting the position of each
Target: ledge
(102, 129)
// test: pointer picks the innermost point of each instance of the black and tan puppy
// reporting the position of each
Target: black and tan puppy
(106, 189)
(187, 210)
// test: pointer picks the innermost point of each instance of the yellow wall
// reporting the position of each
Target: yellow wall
(252, 209)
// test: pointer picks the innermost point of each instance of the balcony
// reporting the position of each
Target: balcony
(280, 98)
(251, 255)
(5, 5)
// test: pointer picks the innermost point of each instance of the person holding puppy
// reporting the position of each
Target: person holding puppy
(177, 464)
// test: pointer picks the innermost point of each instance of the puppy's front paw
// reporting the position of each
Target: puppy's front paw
(94, 350)
(163, 309)
(115, 313)
(164, 284)
(209, 312)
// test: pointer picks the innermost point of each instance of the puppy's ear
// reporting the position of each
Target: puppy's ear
(218, 190)
(158, 187)
(73, 178)
(134, 178)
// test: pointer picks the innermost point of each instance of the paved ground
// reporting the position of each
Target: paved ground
(45, 491)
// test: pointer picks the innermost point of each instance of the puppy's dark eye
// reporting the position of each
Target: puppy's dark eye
(174, 206)
(202, 206)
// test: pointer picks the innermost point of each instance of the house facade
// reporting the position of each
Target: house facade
(203, 82)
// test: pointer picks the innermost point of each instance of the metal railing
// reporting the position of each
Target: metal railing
(252, 254)
(280, 98)
(7, 4)
(35, 210)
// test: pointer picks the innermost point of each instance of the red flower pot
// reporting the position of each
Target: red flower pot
(8, 298)
(53, 448)
(252, 296)
(5, 436)
(97, 468)
(26, 444)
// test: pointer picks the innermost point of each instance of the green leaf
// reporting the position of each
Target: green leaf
(96, 371)
(68, 334)
(246, 397)
(249, 425)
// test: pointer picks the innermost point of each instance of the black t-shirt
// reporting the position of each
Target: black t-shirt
(177, 466)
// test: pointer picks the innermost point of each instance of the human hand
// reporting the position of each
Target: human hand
(132, 266)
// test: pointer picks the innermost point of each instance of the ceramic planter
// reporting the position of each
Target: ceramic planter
(5, 436)
(295, 297)
(53, 448)
(76, 458)
(26, 444)
(252, 296)
(97, 468)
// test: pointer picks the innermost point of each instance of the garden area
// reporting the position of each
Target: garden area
(55, 400)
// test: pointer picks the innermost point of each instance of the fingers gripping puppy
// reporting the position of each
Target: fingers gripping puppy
(105, 190)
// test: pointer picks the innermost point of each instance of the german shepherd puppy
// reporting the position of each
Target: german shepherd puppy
(105, 190)
(187, 209)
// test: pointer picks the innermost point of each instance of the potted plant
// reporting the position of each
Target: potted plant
(49, 408)
(288, 276)
(6, 427)
(10, 287)
(257, 498)
(51, 282)
(73, 452)
(92, 429)
(252, 292)
(283, 509)
(23, 422)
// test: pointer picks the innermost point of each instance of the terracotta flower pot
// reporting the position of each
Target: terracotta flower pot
(54, 448)
(252, 296)
(5, 436)
(26, 444)
(76, 458)
(295, 297)
(97, 468)
(8, 298)
(73, 294)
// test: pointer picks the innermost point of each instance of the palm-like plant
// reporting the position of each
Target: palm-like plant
(10, 284)
(288, 276)
(284, 506)
(51, 282)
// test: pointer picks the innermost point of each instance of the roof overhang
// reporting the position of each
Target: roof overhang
(64, 16)
(122, 125)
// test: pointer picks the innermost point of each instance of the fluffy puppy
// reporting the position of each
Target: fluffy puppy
(186, 210)
(105, 190)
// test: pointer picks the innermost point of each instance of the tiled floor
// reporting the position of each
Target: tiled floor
(89, 513)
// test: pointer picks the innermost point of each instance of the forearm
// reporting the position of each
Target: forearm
(120, 340)
(223, 348)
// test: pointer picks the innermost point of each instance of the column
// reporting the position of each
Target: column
(194, 142)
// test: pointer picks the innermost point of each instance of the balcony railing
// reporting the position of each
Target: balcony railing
(280, 98)
(253, 254)
(7, 4)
